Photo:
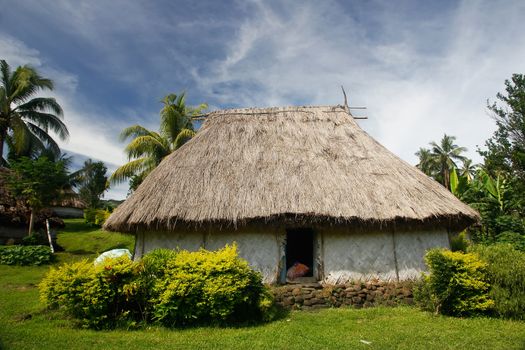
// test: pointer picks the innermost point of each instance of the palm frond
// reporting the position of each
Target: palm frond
(6, 75)
(42, 104)
(127, 170)
(27, 81)
(47, 121)
(45, 138)
(184, 136)
(134, 131)
(20, 134)
(146, 146)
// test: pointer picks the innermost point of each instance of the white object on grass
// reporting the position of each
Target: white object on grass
(111, 254)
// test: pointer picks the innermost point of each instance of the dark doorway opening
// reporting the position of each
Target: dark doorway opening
(300, 248)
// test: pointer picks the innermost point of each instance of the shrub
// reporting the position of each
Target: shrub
(25, 255)
(102, 296)
(513, 238)
(37, 238)
(459, 243)
(171, 288)
(506, 274)
(456, 284)
(96, 216)
(206, 286)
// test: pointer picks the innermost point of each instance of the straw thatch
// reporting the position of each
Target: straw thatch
(309, 163)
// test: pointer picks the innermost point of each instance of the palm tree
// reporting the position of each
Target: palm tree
(147, 148)
(468, 170)
(444, 156)
(25, 121)
(426, 162)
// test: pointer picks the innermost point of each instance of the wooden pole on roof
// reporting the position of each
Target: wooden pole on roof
(347, 108)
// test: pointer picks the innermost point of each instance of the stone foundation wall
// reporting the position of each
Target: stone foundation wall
(365, 294)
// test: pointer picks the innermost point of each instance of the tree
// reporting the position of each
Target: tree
(505, 152)
(444, 155)
(92, 182)
(147, 148)
(25, 121)
(440, 159)
(38, 182)
(468, 170)
(426, 162)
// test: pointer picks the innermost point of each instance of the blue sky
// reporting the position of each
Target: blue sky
(423, 68)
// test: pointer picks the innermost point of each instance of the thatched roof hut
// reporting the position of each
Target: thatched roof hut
(288, 167)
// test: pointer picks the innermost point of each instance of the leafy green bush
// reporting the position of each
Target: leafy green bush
(459, 243)
(172, 288)
(456, 284)
(506, 274)
(101, 297)
(25, 255)
(513, 238)
(207, 287)
(96, 216)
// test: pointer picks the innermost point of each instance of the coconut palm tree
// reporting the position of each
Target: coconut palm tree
(25, 119)
(444, 155)
(147, 148)
(468, 170)
(426, 162)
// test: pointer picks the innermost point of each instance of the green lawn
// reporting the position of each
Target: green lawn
(24, 324)
(82, 241)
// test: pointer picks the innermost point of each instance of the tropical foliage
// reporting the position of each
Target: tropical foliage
(441, 158)
(147, 148)
(456, 284)
(38, 182)
(92, 182)
(25, 120)
(167, 287)
(495, 188)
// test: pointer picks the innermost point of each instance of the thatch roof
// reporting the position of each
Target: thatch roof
(313, 164)
(70, 199)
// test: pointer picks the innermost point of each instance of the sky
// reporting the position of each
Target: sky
(422, 68)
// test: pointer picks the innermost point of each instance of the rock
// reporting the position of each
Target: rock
(296, 291)
(288, 301)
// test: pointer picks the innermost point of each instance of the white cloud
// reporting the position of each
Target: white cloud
(420, 74)
(423, 79)
(88, 136)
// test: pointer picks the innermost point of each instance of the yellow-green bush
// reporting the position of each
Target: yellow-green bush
(96, 216)
(102, 296)
(506, 274)
(207, 286)
(166, 287)
(456, 284)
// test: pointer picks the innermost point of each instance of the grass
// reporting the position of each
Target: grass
(24, 324)
(82, 241)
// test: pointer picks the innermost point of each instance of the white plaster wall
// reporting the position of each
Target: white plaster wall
(411, 248)
(191, 240)
(259, 248)
(344, 255)
(358, 256)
